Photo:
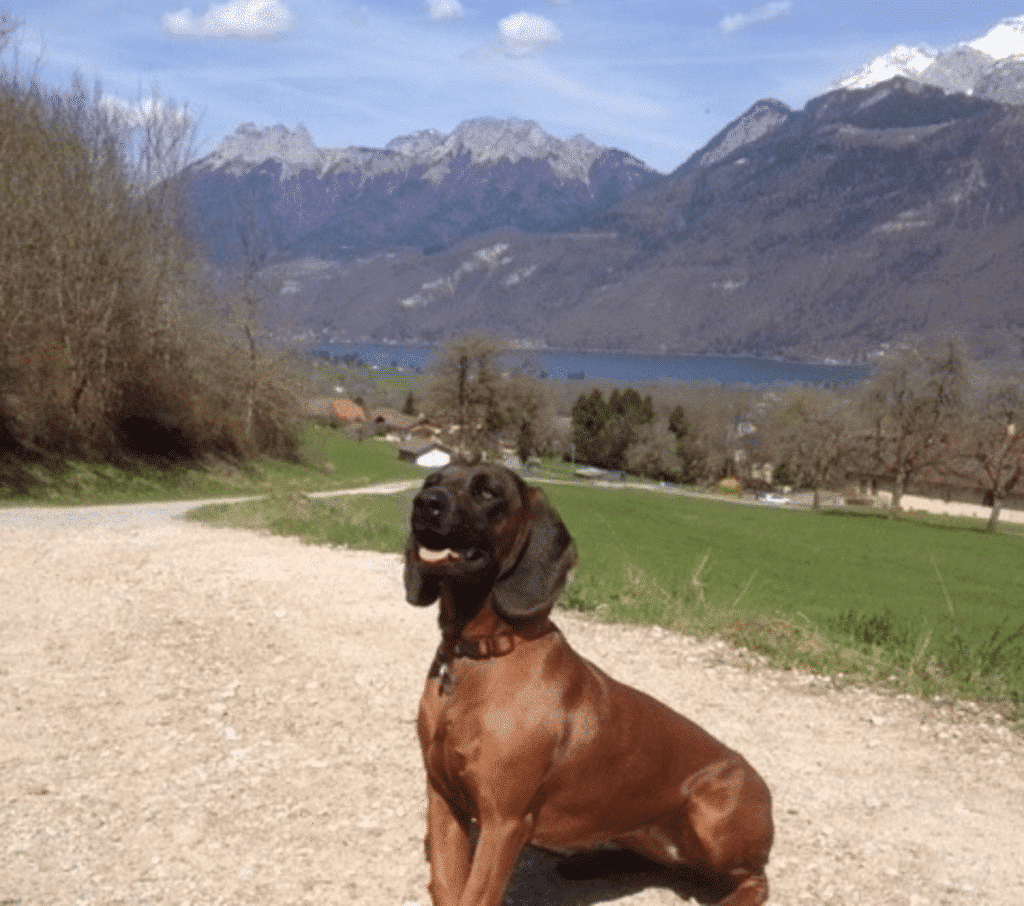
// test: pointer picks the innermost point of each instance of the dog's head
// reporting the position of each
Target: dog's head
(481, 529)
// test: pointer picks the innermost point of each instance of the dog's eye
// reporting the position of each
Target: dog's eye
(484, 491)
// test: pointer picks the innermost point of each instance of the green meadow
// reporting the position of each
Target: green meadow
(929, 602)
(931, 606)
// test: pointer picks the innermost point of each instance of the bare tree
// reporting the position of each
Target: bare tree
(249, 316)
(654, 453)
(470, 389)
(159, 140)
(110, 344)
(466, 391)
(69, 296)
(529, 416)
(817, 435)
(8, 26)
(727, 418)
(914, 402)
(994, 447)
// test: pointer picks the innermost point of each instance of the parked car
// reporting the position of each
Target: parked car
(771, 498)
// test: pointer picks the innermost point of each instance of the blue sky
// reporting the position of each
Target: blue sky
(656, 78)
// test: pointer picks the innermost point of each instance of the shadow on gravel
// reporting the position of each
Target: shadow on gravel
(598, 877)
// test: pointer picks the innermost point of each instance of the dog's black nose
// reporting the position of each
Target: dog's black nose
(434, 504)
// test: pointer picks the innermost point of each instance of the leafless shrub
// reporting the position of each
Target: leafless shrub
(110, 341)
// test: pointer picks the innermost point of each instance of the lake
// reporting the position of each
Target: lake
(625, 368)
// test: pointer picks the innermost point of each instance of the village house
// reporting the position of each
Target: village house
(335, 411)
(430, 454)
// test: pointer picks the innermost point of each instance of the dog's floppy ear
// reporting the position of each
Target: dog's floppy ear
(538, 575)
(419, 590)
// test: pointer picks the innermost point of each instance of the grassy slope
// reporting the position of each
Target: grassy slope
(935, 600)
(328, 460)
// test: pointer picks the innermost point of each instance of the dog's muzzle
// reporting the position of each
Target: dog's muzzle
(435, 527)
(433, 509)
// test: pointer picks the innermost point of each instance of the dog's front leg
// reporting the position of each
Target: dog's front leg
(497, 851)
(449, 851)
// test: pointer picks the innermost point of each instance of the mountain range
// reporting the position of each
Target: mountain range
(426, 190)
(871, 214)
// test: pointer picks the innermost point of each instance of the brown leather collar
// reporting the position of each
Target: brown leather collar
(490, 646)
(480, 649)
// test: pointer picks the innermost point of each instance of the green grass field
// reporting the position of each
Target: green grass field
(927, 605)
(936, 601)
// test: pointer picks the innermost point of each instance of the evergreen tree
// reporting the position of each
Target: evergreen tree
(604, 431)
(688, 451)
(589, 417)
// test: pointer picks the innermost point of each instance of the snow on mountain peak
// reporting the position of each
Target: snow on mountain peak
(953, 69)
(902, 60)
(1004, 40)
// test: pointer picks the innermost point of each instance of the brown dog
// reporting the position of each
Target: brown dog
(524, 741)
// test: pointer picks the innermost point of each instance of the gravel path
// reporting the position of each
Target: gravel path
(195, 716)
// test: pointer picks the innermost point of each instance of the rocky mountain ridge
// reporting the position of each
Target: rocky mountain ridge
(427, 189)
(760, 119)
(486, 140)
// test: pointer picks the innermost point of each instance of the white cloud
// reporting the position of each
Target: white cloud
(757, 16)
(522, 33)
(233, 19)
(441, 10)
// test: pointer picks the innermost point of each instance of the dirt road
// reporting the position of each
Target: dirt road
(194, 716)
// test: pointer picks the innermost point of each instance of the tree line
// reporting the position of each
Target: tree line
(927, 415)
(114, 343)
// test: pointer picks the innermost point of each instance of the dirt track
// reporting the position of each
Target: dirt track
(202, 716)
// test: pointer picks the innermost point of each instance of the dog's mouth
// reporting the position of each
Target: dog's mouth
(436, 557)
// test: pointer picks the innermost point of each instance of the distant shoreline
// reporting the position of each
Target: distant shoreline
(526, 346)
(629, 367)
